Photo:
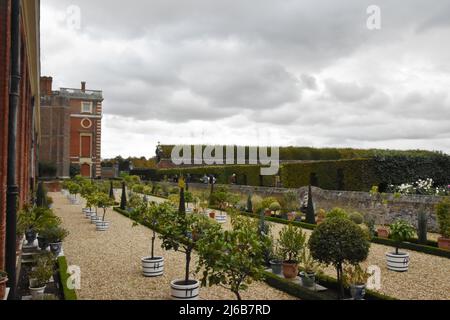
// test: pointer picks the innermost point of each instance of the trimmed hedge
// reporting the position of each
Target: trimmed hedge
(414, 247)
(69, 294)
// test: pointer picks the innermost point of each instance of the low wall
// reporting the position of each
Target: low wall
(404, 207)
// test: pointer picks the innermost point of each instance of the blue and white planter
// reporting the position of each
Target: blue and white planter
(152, 267)
(102, 225)
(221, 218)
(397, 262)
(181, 291)
(95, 219)
(56, 248)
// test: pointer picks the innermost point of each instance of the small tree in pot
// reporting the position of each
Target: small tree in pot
(40, 276)
(400, 231)
(356, 279)
(291, 243)
(150, 215)
(180, 232)
(337, 241)
(443, 217)
(310, 268)
(54, 236)
(33, 219)
(103, 201)
(232, 259)
(74, 190)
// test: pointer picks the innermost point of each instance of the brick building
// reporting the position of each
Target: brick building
(71, 129)
(19, 119)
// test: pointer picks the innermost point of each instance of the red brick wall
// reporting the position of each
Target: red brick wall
(5, 7)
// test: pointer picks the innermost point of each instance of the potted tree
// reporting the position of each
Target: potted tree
(291, 243)
(400, 231)
(233, 258)
(443, 216)
(74, 190)
(275, 208)
(310, 268)
(33, 219)
(103, 201)
(356, 279)
(150, 214)
(337, 241)
(40, 276)
(180, 232)
(3, 281)
(54, 236)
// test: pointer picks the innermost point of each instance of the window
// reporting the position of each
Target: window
(86, 107)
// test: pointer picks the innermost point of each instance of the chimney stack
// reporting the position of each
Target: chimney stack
(83, 86)
(46, 86)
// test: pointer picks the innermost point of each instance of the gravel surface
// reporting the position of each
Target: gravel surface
(428, 277)
(110, 261)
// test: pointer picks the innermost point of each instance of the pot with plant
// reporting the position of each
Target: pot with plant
(180, 232)
(3, 281)
(291, 242)
(150, 214)
(338, 241)
(33, 219)
(400, 231)
(443, 217)
(310, 268)
(40, 276)
(232, 258)
(54, 236)
(356, 279)
(103, 201)
(74, 190)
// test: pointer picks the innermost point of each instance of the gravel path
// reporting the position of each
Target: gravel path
(428, 277)
(110, 261)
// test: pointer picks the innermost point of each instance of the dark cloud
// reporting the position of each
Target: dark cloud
(259, 71)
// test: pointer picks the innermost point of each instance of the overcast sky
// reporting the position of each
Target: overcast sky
(257, 72)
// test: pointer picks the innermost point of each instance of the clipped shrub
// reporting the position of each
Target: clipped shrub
(337, 213)
(338, 241)
(443, 216)
(275, 206)
(356, 217)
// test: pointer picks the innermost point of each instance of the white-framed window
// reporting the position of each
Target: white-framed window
(86, 107)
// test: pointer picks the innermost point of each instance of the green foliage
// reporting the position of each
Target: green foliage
(101, 200)
(69, 294)
(249, 207)
(267, 201)
(401, 231)
(41, 273)
(291, 242)
(181, 231)
(337, 213)
(356, 217)
(337, 241)
(275, 206)
(291, 201)
(222, 198)
(36, 218)
(422, 227)
(233, 258)
(443, 216)
(73, 187)
(257, 204)
(355, 275)
(41, 196)
(54, 234)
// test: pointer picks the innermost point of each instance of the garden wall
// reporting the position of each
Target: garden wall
(405, 207)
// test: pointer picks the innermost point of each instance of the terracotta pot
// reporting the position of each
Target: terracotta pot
(291, 216)
(444, 243)
(212, 214)
(319, 220)
(290, 269)
(383, 233)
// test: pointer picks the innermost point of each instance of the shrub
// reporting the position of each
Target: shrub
(443, 216)
(257, 204)
(268, 201)
(401, 231)
(275, 206)
(54, 234)
(356, 217)
(337, 213)
(291, 243)
(337, 241)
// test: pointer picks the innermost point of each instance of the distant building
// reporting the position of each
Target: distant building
(71, 129)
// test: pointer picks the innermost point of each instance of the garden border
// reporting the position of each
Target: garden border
(69, 294)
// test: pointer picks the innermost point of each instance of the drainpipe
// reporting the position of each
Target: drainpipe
(12, 187)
